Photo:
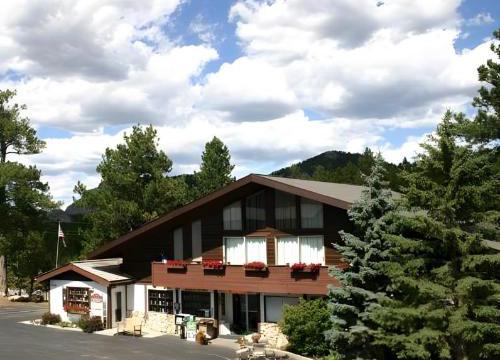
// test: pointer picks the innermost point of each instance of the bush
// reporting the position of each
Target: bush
(89, 325)
(50, 319)
(305, 324)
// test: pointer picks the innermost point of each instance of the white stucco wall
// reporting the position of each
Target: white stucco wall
(56, 298)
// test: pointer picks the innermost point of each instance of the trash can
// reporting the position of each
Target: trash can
(207, 327)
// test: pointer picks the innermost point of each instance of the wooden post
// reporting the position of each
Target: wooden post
(3, 276)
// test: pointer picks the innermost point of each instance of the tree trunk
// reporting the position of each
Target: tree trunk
(3, 276)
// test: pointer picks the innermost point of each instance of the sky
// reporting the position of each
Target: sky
(277, 81)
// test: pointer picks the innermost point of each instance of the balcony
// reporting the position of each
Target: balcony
(234, 278)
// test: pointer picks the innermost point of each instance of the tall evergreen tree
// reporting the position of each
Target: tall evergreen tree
(24, 198)
(135, 187)
(215, 170)
(361, 281)
(485, 127)
(455, 183)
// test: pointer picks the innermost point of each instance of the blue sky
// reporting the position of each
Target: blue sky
(278, 81)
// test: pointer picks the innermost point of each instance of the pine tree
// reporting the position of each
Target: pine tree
(135, 188)
(411, 321)
(360, 281)
(485, 127)
(215, 170)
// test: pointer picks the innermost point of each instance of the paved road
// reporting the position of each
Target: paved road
(21, 341)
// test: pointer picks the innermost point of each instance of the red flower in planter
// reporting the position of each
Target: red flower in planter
(314, 267)
(176, 264)
(298, 266)
(255, 265)
(213, 264)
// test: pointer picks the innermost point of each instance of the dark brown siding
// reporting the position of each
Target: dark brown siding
(138, 253)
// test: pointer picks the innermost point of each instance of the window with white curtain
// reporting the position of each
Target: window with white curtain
(196, 239)
(232, 216)
(255, 211)
(285, 211)
(256, 249)
(235, 250)
(274, 306)
(178, 244)
(311, 214)
(242, 250)
(305, 249)
(288, 251)
(311, 249)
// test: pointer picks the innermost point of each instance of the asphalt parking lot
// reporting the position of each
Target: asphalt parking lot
(22, 341)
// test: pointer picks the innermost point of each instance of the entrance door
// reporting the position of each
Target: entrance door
(118, 310)
(246, 312)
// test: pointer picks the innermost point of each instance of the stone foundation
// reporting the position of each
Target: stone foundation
(272, 333)
(160, 322)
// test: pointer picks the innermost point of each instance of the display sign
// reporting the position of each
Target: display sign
(191, 331)
(96, 298)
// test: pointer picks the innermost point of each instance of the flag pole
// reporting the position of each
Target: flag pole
(57, 251)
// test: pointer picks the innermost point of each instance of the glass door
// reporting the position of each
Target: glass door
(118, 310)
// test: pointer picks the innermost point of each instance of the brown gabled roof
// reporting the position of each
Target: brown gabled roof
(338, 195)
(103, 271)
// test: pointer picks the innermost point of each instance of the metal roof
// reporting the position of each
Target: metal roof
(102, 271)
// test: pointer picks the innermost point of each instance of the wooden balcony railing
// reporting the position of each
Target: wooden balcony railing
(234, 278)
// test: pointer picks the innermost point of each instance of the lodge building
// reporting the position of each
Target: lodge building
(233, 256)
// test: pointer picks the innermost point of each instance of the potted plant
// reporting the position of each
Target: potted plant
(176, 264)
(212, 265)
(255, 266)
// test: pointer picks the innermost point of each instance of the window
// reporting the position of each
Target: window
(161, 301)
(242, 250)
(196, 239)
(288, 250)
(256, 249)
(274, 306)
(311, 249)
(235, 250)
(232, 216)
(256, 211)
(285, 211)
(76, 299)
(311, 214)
(196, 303)
(178, 244)
(306, 249)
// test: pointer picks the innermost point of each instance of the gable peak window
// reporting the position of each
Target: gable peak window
(285, 211)
(256, 211)
(232, 216)
(311, 214)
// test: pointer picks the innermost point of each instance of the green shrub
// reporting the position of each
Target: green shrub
(304, 324)
(89, 325)
(50, 319)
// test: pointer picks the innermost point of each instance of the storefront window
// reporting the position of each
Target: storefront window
(196, 303)
(161, 301)
(76, 300)
(274, 306)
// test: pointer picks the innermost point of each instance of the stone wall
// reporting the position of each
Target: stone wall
(272, 333)
(160, 322)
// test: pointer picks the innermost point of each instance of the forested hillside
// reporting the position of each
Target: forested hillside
(344, 167)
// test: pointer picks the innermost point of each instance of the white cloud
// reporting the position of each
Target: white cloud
(88, 65)
(480, 19)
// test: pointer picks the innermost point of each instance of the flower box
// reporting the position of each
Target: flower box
(255, 266)
(302, 267)
(176, 264)
(212, 265)
(75, 309)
